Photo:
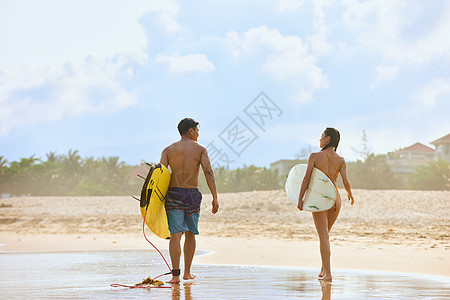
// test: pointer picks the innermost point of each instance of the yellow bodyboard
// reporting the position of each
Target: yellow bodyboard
(152, 202)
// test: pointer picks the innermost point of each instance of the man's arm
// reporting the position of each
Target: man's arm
(164, 158)
(210, 179)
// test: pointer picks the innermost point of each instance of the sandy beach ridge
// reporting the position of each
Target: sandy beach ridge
(396, 231)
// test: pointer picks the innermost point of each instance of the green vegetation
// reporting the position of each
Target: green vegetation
(71, 175)
(373, 173)
(248, 178)
(67, 175)
(435, 175)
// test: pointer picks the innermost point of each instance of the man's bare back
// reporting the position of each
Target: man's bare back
(184, 158)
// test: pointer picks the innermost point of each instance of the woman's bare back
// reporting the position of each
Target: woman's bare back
(328, 162)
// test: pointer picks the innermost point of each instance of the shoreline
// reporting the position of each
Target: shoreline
(356, 256)
(384, 230)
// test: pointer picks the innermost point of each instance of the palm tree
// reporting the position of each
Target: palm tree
(71, 170)
(3, 161)
(51, 156)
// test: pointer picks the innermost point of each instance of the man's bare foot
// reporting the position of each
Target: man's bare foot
(174, 280)
(188, 277)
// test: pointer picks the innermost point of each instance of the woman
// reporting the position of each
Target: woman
(331, 164)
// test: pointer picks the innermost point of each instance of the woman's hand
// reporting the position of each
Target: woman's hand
(350, 198)
(300, 204)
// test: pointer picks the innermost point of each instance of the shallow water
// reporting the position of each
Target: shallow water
(79, 275)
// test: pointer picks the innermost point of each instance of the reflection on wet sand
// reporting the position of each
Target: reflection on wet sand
(89, 275)
(178, 292)
(326, 289)
(304, 284)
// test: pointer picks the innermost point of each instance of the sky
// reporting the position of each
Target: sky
(263, 78)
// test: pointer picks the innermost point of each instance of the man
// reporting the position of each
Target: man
(183, 197)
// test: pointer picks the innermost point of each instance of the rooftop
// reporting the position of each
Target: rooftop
(442, 139)
(418, 147)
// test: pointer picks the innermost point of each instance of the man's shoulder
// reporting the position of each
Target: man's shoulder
(200, 146)
(169, 147)
(186, 144)
(192, 144)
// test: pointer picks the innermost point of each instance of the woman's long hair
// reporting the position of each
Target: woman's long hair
(335, 137)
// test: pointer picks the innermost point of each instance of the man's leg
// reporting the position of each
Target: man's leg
(189, 251)
(175, 253)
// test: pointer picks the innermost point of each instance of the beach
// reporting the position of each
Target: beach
(386, 230)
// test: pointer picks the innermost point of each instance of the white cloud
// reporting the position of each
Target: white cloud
(51, 93)
(385, 28)
(319, 42)
(190, 63)
(77, 53)
(387, 71)
(33, 34)
(437, 90)
(287, 58)
(168, 10)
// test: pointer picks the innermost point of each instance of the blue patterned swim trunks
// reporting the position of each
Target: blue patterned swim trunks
(183, 209)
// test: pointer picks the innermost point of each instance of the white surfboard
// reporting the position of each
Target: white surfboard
(321, 193)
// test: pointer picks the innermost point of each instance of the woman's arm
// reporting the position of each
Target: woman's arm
(346, 182)
(306, 181)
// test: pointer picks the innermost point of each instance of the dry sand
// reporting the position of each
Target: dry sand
(399, 231)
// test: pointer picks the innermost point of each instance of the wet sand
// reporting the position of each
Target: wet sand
(88, 275)
(396, 231)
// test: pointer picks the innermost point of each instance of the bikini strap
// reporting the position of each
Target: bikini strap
(329, 158)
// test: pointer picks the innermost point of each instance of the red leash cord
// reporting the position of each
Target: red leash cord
(146, 287)
(143, 231)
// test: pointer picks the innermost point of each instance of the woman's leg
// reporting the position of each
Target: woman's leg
(321, 222)
(333, 213)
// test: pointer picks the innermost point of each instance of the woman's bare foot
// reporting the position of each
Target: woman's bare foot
(188, 276)
(322, 273)
(326, 278)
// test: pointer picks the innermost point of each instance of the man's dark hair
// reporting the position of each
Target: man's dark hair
(186, 124)
(335, 137)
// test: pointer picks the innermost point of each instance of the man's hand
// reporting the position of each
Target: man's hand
(215, 206)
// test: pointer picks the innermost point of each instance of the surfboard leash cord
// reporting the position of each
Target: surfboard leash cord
(145, 236)
(138, 286)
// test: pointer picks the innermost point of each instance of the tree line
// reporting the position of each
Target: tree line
(247, 178)
(373, 172)
(66, 175)
(72, 175)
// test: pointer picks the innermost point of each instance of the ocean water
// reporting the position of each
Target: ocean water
(88, 275)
